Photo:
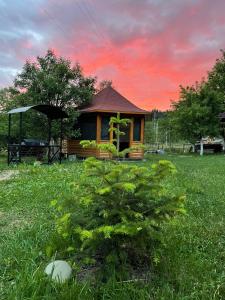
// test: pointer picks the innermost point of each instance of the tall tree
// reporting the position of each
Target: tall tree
(53, 80)
(7, 101)
(104, 84)
(196, 114)
(216, 77)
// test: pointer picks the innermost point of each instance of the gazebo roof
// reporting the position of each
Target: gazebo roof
(109, 100)
(50, 111)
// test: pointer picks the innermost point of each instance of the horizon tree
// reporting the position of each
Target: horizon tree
(196, 114)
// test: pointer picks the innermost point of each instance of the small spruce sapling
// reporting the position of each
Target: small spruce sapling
(116, 213)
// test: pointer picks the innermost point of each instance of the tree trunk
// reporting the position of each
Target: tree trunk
(201, 147)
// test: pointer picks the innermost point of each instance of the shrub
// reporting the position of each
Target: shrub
(116, 212)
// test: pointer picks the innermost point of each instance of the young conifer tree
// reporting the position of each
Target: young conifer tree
(115, 215)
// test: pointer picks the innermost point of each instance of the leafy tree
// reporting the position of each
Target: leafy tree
(104, 84)
(196, 114)
(115, 215)
(49, 80)
(7, 98)
(159, 128)
(216, 77)
(52, 80)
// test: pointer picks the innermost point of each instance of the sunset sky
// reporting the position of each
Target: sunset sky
(146, 47)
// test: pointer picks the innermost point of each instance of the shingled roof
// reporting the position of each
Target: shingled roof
(109, 100)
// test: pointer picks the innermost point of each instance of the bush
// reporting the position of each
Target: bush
(115, 214)
(3, 141)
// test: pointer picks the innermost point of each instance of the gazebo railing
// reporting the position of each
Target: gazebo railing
(44, 153)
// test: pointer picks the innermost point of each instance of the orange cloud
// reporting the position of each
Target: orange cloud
(146, 47)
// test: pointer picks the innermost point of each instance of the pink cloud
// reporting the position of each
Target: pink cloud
(147, 47)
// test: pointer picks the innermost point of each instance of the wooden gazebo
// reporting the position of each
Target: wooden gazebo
(93, 123)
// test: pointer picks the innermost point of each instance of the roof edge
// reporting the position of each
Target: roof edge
(145, 112)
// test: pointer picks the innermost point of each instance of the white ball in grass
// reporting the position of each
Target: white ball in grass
(59, 270)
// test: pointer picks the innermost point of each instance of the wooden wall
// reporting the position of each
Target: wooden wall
(136, 154)
(73, 146)
(139, 153)
(103, 154)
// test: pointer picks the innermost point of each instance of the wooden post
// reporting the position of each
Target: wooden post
(98, 133)
(142, 129)
(9, 138)
(20, 135)
(98, 129)
(61, 137)
(49, 139)
(131, 132)
(111, 134)
(9, 129)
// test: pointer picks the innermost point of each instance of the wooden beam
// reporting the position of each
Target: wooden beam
(98, 129)
(142, 129)
(115, 111)
(111, 134)
(131, 131)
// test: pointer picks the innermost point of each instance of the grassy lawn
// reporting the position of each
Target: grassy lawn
(190, 265)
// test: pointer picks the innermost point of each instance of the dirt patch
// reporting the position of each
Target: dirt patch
(6, 175)
(11, 222)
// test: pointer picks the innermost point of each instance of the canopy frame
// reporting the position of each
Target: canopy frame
(52, 113)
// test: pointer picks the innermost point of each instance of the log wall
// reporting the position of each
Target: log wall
(73, 147)
(136, 154)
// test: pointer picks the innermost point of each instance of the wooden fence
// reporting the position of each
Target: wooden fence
(173, 147)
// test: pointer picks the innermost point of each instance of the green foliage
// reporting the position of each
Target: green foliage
(52, 80)
(6, 102)
(216, 77)
(49, 80)
(104, 84)
(196, 114)
(121, 211)
(159, 128)
(110, 148)
(115, 125)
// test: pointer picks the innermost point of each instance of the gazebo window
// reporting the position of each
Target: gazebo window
(137, 129)
(87, 126)
(105, 128)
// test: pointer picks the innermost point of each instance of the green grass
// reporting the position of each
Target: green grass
(190, 265)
